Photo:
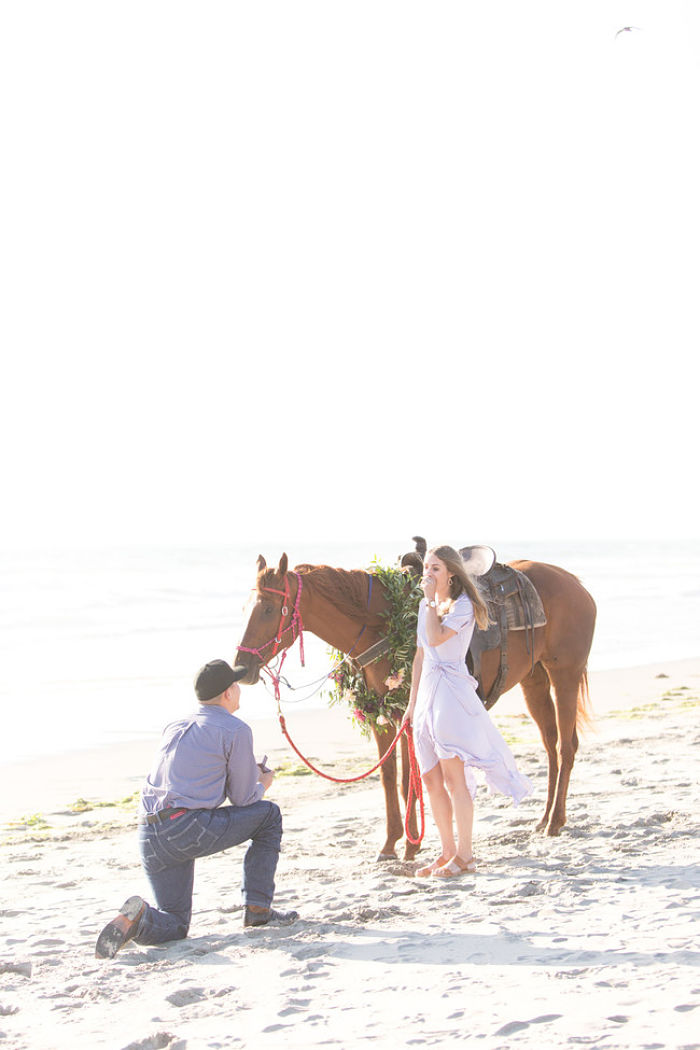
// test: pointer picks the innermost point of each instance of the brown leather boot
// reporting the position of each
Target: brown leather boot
(256, 916)
(121, 929)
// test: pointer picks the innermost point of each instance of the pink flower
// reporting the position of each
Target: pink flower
(383, 721)
(359, 715)
(394, 680)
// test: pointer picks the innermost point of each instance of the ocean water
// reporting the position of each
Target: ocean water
(102, 645)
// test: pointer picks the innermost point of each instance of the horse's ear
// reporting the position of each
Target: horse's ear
(283, 565)
(421, 545)
(262, 564)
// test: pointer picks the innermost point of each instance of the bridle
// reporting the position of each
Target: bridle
(295, 624)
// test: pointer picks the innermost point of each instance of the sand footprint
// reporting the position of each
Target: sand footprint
(518, 1026)
(186, 996)
(365, 914)
(344, 827)
(24, 969)
(309, 951)
(158, 1041)
(296, 1006)
(291, 972)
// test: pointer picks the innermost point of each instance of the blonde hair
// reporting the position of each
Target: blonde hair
(462, 582)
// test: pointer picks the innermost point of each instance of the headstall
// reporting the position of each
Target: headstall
(294, 625)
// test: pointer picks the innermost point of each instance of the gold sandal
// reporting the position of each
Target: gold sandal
(454, 868)
(429, 869)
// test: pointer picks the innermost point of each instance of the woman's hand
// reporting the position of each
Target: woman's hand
(429, 585)
(408, 715)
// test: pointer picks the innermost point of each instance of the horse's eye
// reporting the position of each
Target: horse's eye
(268, 610)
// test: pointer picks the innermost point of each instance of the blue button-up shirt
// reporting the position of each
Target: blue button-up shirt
(202, 761)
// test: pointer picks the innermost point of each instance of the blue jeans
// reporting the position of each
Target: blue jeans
(169, 849)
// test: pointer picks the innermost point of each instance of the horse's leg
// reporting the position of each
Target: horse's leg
(411, 848)
(394, 826)
(566, 685)
(538, 697)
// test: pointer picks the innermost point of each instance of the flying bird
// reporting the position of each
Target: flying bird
(626, 29)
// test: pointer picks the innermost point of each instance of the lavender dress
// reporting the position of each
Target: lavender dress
(450, 719)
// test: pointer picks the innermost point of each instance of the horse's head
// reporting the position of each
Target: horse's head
(413, 561)
(270, 627)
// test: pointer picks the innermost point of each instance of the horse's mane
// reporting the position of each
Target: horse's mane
(346, 589)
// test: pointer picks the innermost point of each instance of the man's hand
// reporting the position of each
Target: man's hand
(267, 778)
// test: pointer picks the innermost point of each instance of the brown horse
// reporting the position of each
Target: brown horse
(341, 608)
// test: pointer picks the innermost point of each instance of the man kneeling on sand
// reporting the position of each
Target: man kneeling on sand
(202, 761)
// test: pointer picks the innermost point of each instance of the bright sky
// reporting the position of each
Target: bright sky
(281, 270)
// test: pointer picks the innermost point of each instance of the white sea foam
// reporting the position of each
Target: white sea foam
(103, 645)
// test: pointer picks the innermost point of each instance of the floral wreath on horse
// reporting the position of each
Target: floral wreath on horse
(370, 709)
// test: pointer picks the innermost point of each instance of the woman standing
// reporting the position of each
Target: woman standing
(453, 733)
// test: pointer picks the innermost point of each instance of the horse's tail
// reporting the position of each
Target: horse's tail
(584, 714)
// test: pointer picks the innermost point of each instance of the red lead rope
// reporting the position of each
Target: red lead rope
(415, 787)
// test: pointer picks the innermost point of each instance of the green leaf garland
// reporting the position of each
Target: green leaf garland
(368, 707)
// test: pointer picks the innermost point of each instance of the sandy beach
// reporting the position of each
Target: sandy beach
(586, 939)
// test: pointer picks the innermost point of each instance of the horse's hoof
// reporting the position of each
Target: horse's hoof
(386, 856)
(554, 829)
(542, 825)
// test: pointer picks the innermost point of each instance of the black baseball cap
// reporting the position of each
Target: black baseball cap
(215, 677)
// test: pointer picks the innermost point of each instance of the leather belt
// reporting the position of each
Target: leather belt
(163, 814)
